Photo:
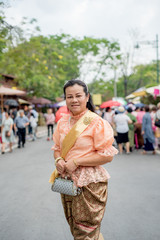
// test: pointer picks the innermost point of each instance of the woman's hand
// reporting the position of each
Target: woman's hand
(70, 166)
(60, 166)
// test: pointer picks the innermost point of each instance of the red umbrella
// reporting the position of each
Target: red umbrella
(110, 103)
(60, 111)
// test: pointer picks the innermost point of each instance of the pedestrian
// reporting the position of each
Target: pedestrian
(87, 142)
(135, 112)
(4, 114)
(131, 128)
(108, 115)
(33, 123)
(157, 131)
(122, 120)
(147, 132)
(7, 132)
(13, 115)
(138, 127)
(20, 124)
(50, 121)
(98, 111)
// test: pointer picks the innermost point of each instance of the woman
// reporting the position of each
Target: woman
(33, 123)
(108, 115)
(7, 132)
(147, 132)
(50, 120)
(122, 120)
(83, 161)
(131, 128)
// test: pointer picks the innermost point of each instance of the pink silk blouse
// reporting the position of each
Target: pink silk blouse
(96, 138)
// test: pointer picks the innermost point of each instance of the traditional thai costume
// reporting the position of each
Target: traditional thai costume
(84, 212)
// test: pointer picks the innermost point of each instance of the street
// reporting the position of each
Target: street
(29, 210)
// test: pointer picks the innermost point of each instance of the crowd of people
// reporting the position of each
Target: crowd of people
(18, 123)
(134, 127)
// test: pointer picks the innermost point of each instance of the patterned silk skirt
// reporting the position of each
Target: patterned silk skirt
(84, 213)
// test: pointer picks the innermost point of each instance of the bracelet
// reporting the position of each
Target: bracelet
(57, 159)
(75, 162)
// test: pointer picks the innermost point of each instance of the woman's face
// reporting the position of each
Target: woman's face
(76, 99)
(6, 115)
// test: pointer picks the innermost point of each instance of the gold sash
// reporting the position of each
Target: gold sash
(72, 136)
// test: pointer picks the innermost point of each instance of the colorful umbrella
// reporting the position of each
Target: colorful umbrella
(110, 103)
(60, 111)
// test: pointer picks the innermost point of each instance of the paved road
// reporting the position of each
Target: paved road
(30, 211)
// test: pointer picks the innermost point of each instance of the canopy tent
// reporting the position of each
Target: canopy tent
(140, 92)
(155, 91)
(130, 96)
(22, 101)
(41, 101)
(4, 91)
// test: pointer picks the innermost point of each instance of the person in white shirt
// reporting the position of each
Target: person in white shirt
(122, 120)
(33, 122)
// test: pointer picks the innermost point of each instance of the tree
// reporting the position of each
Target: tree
(43, 64)
(142, 75)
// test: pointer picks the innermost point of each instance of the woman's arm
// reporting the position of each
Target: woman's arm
(10, 130)
(60, 165)
(93, 160)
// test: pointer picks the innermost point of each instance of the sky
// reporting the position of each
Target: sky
(126, 21)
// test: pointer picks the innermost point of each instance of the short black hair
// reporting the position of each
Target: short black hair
(129, 110)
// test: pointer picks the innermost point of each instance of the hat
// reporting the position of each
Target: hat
(121, 109)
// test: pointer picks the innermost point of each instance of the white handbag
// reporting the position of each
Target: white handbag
(65, 186)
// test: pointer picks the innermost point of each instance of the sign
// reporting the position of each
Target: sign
(97, 99)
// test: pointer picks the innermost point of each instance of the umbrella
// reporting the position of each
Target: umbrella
(9, 91)
(140, 105)
(11, 103)
(60, 111)
(60, 104)
(41, 101)
(110, 103)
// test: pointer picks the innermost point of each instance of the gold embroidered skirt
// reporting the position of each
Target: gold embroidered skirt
(84, 213)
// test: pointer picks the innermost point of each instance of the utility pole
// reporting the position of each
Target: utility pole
(154, 43)
(157, 58)
(115, 82)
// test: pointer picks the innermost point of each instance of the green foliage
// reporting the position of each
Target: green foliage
(142, 76)
(41, 65)
(149, 99)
